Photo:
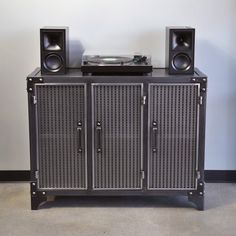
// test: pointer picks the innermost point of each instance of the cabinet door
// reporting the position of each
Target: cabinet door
(61, 132)
(173, 136)
(117, 136)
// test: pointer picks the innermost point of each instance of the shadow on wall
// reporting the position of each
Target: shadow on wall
(221, 105)
(76, 51)
(151, 43)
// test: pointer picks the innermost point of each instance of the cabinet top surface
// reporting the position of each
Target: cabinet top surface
(157, 73)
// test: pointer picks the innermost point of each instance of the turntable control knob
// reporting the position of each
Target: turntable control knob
(144, 59)
(138, 59)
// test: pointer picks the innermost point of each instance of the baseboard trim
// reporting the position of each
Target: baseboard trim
(220, 176)
(14, 175)
(211, 176)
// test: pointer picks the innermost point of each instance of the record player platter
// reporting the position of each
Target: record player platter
(116, 65)
(109, 60)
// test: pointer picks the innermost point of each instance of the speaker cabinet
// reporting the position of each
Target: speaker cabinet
(54, 47)
(180, 45)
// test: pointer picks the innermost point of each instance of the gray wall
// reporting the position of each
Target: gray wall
(122, 26)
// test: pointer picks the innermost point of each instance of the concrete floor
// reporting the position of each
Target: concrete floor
(148, 216)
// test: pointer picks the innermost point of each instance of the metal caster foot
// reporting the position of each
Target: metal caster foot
(198, 201)
(37, 197)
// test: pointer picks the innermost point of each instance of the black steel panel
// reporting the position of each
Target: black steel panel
(117, 129)
(173, 135)
(61, 131)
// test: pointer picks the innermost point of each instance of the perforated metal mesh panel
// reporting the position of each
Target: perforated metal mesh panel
(173, 135)
(60, 108)
(118, 109)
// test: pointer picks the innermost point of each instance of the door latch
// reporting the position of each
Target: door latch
(36, 174)
(34, 99)
(142, 174)
(144, 98)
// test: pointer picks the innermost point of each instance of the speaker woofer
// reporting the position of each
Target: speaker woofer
(181, 62)
(53, 62)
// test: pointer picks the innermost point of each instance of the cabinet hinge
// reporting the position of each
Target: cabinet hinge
(198, 174)
(36, 174)
(34, 100)
(200, 100)
(142, 174)
(144, 98)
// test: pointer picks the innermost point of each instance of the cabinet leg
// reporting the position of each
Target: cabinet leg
(198, 201)
(36, 201)
(37, 197)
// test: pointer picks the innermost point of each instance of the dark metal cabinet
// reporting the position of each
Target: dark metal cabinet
(117, 135)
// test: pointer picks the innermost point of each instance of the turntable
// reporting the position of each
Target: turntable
(116, 65)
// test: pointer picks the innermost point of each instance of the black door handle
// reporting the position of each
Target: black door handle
(79, 136)
(154, 136)
(99, 138)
